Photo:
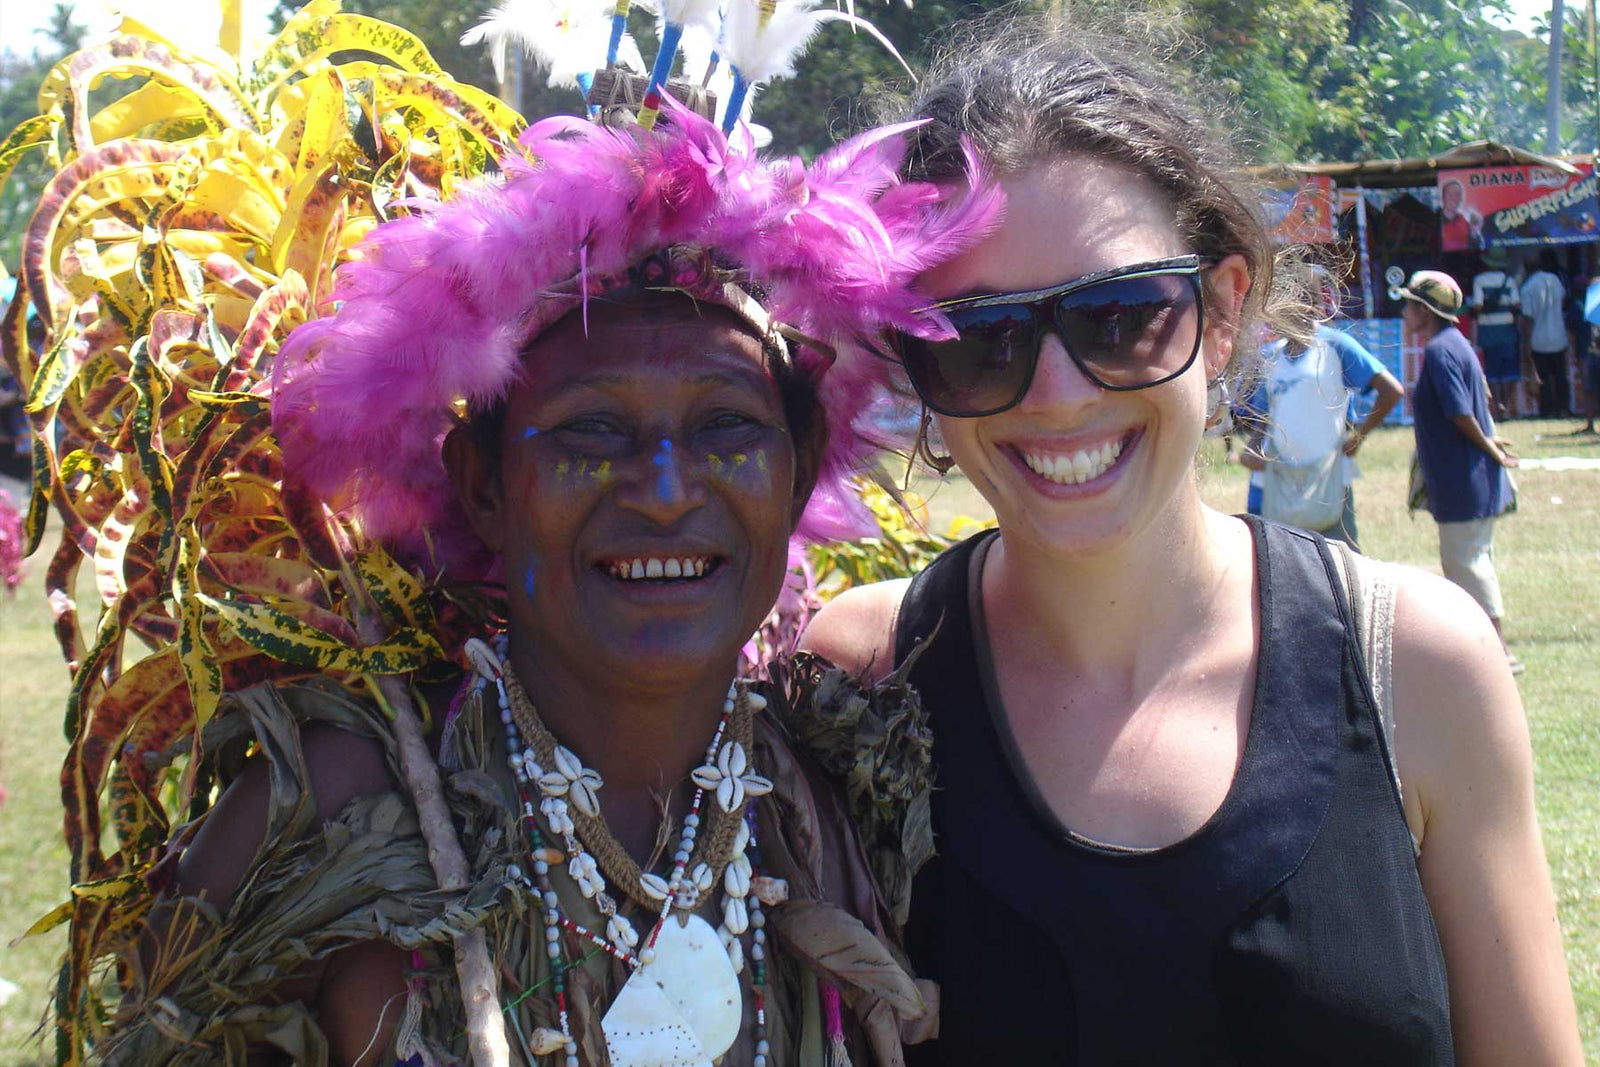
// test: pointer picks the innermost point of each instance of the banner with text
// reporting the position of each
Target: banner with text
(1502, 207)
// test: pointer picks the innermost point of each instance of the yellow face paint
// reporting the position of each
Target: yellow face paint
(603, 471)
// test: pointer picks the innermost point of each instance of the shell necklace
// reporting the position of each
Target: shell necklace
(682, 1006)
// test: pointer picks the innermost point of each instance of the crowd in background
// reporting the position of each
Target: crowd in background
(1532, 332)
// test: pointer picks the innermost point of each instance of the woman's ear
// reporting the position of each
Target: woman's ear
(1227, 284)
(476, 476)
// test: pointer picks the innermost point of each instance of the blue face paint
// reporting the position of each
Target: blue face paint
(527, 581)
(530, 433)
(663, 459)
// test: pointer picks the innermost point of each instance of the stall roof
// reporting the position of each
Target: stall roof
(1392, 173)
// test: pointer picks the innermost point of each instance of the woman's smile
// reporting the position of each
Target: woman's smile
(1074, 468)
(659, 568)
(658, 580)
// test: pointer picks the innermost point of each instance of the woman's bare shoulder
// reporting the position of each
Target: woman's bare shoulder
(1463, 749)
(855, 630)
(1440, 630)
(1459, 715)
(340, 766)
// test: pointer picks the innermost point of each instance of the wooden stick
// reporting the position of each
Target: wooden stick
(480, 986)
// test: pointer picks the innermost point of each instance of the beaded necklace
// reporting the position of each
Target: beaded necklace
(645, 1012)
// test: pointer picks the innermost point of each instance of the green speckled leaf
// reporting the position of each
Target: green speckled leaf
(397, 593)
(307, 38)
(285, 637)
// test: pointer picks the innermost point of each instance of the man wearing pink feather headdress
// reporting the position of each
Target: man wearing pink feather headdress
(618, 382)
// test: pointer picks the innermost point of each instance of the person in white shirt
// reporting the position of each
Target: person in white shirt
(1544, 334)
(1299, 440)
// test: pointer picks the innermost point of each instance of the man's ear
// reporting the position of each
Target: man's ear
(476, 476)
(1227, 284)
(808, 454)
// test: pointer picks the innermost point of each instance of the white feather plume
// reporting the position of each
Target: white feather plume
(565, 37)
(705, 13)
(698, 45)
(763, 53)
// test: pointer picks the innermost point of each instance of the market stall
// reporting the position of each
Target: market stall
(1479, 208)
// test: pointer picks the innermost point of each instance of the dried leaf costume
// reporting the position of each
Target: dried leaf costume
(245, 442)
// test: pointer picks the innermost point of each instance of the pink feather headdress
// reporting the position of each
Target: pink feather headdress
(437, 306)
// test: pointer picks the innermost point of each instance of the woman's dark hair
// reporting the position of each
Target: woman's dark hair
(1024, 88)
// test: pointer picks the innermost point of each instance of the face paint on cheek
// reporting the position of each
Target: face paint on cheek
(602, 472)
(527, 579)
(530, 433)
(571, 472)
(750, 470)
(663, 460)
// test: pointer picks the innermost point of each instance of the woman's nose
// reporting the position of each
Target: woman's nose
(664, 487)
(1058, 381)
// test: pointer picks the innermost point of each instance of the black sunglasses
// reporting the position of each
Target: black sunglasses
(1126, 328)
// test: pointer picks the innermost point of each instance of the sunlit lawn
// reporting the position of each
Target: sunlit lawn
(1549, 560)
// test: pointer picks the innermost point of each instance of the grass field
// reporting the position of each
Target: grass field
(1549, 560)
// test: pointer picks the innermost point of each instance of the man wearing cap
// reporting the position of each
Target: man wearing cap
(1463, 463)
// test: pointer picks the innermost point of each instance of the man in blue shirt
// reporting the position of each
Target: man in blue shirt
(1463, 463)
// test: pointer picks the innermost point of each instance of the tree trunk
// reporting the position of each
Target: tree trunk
(1552, 98)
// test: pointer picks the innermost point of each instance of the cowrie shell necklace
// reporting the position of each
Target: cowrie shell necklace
(570, 805)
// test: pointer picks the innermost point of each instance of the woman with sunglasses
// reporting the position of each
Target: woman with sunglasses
(1170, 825)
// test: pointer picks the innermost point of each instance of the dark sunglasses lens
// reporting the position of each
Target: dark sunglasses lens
(983, 370)
(1133, 331)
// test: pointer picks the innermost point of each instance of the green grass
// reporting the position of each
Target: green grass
(33, 856)
(1548, 556)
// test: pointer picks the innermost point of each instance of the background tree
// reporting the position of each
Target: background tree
(20, 77)
(1305, 79)
(1579, 129)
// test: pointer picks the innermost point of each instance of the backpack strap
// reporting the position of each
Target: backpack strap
(1370, 589)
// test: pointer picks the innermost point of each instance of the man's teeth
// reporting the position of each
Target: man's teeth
(1080, 467)
(657, 567)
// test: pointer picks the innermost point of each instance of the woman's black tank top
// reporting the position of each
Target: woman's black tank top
(1290, 929)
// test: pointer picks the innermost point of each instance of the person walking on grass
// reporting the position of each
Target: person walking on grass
(1301, 438)
(1544, 334)
(1463, 463)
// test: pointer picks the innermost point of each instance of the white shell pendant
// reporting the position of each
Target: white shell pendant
(697, 993)
(644, 1029)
